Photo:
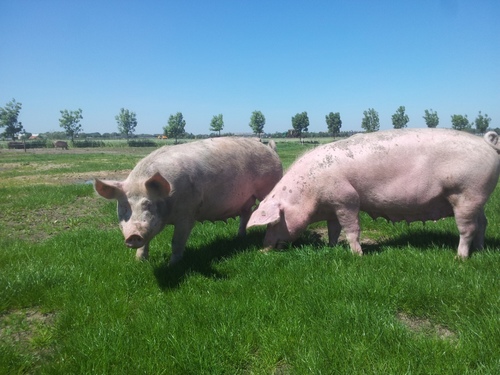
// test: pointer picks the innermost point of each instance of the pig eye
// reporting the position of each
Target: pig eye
(147, 205)
(124, 211)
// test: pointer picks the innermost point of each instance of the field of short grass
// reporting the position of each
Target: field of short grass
(73, 299)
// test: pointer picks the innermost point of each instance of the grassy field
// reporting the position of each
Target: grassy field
(73, 300)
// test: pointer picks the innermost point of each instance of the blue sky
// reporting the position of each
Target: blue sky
(203, 58)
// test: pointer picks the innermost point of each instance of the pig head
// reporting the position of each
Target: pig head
(141, 208)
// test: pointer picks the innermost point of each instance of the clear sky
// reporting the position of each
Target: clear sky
(203, 58)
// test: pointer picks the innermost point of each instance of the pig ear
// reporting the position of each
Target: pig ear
(265, 214)
(108, 189)
(158, 184)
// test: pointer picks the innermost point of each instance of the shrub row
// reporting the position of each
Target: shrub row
(28, 144)
(88, 144)
(142, 143)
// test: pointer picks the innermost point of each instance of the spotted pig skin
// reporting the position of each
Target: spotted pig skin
(408, 174)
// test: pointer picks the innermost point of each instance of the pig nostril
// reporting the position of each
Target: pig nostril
(135, 241)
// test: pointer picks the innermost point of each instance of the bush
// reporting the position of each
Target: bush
(142, 143)
(39, 143)
(87, 143)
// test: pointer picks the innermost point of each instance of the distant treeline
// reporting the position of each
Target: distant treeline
(91, 140)
(114, 136)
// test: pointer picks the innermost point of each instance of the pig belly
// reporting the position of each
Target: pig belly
(393, 211)
(222, 210)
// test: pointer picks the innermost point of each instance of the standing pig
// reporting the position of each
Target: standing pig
(213, 179)
(412, 175)
(61, 144)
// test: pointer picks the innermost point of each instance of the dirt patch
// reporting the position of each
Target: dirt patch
(20, 326)
(322, 235)
(426, 327)
(41, 224)
(282, 368)
(81, 150)
(71, 178)
(29, 331)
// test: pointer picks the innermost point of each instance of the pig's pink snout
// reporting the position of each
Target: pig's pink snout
(135, 241)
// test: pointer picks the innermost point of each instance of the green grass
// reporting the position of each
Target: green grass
(75, 301)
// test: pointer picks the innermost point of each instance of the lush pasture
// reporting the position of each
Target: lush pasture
(73, 300)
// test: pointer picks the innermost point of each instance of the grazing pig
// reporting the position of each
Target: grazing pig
(411, 174)
(61, 144)
(213, 179)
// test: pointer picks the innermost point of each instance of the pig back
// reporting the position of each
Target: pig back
(412, 157)
(214, 178)
(402, 174)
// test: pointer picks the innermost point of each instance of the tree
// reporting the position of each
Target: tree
(257, 122)
(127, 122)
(300, 123)
(8, 119)
(370, 122)
(333, 122)
(217, 123)
(175, 126)
(431, 118)
(482, 122)
(459, 122)
(24, 136)
(70, 122)
(400, 118)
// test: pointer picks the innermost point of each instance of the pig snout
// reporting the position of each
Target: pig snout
(135, 241)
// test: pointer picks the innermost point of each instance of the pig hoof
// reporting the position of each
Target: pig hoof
(265, 250)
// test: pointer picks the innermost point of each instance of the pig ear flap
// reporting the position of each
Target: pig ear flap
(265, 215)
(158, 184)
(108, 189)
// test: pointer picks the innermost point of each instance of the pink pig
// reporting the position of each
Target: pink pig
(213, 179)
(411, 174)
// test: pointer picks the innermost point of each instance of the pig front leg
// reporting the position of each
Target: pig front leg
(347, 212)
(333, 231)
(352, 235)
(179, 239)
(349, 221)
(142, 253)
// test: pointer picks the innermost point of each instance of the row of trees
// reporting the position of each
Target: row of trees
(400, 119)
(370, 122)
(176, 124)
(70, 121)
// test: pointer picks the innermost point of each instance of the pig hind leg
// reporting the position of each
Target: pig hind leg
(245, 214)
(482, 222)
(471, 224)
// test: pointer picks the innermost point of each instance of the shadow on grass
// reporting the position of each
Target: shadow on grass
(422, 240)
(201, 260)
(427, 240)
